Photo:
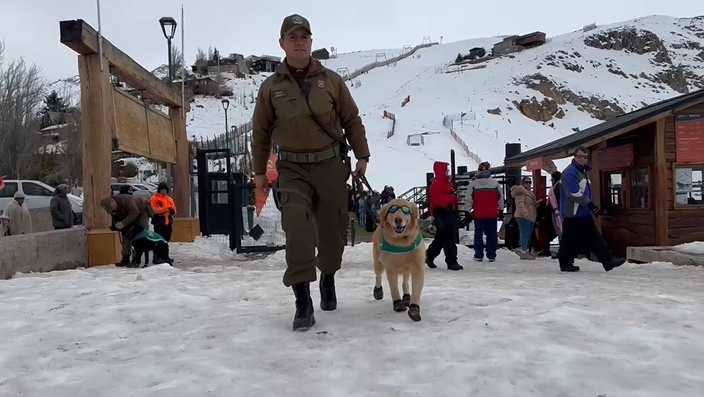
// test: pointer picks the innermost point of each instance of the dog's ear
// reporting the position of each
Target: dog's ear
(382, 216)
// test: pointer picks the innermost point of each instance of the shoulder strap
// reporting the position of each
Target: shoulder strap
(341, 138)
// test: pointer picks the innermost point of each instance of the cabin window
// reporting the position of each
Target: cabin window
(640, 192)
(689, 190)
(614, 190)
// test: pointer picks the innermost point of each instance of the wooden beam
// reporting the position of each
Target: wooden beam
(83, 39)
(97, 125)
(660, 184)
(182, 175)
(143, 131)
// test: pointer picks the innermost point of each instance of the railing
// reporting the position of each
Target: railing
(448, 122)
(417, 195)
(395, 59)
(238, 140)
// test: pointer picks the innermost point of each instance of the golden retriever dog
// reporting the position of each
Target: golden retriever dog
(399, 249)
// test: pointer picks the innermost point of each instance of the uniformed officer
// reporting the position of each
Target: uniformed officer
(303, 109)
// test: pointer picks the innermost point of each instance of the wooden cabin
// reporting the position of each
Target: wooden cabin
(647, 172)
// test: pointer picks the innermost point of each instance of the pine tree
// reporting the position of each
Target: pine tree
(54, 103)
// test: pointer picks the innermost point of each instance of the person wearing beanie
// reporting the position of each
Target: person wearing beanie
(486, 201)
(164, 210)
(20, 221)
(61, 212)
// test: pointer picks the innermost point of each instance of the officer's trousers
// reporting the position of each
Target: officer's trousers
(313, 198)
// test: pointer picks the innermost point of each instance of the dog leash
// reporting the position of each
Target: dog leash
(364, 180)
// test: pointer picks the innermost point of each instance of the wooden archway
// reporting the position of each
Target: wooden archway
(113, 120)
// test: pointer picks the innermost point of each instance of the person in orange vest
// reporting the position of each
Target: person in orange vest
(164, 211)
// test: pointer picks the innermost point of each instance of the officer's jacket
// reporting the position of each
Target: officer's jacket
(282, 116)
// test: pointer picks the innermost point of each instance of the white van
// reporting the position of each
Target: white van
(38, 195)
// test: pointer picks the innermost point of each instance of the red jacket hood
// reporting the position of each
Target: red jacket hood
(440, 169)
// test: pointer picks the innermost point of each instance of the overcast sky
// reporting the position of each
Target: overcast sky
(30, 28)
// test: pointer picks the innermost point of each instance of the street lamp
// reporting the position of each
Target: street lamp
(225, 105)
(168, 26)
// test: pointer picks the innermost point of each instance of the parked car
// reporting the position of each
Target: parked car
(38, 195)
(136, 189)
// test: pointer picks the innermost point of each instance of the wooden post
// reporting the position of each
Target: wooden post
(596, 181)
(97, 126)
(660, 185)
(182, 179)
(97, 130)
(185, 226)
(539, 183)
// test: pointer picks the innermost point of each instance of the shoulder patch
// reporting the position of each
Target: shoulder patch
(279, 94)
(321, 84)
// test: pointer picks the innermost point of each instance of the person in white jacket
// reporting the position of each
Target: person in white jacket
(18, 213)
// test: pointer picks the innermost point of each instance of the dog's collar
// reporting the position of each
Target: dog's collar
(149, 235)
(393, 249)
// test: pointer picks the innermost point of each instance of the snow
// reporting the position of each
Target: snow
(694, 248)
(436, 94)
(218, 324)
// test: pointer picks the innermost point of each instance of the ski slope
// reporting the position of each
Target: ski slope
(437, 93)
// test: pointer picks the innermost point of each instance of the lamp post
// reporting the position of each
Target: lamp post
(225, 105)
(168, 26)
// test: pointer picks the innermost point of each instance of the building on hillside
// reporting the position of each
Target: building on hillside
(647, 172)
(263, 64)
(202, 85)
(320, 54)
(518, 43)
(233, 63)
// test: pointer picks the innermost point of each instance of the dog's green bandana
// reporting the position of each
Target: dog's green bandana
(393, 249)
(149, 235)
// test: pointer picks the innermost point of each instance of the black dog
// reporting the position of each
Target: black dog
(146, 242)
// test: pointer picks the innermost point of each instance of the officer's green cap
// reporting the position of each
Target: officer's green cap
(293, 22)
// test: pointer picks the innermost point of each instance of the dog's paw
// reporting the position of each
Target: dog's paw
(378, 293)
(406, 300)
(399, 306)
(414, 312)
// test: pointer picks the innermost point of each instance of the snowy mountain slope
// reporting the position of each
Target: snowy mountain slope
(576, 79)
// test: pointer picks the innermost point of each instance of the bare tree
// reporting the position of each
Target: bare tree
(21, 93)
(201, 56)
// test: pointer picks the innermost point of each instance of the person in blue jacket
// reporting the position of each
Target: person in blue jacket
(579, 231)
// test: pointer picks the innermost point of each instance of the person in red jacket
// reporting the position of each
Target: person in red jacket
(486, 201)
(443, 203)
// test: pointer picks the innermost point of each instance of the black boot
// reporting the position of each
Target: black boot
(429, 262)
(414, 312)
(406, 300)
(399, 306)
(613, 263)
(569, 268)
(378, 293)
(328, 299)
(454, 266)
(304, 318)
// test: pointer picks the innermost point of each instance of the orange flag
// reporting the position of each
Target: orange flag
(260, 200)
(272, 175)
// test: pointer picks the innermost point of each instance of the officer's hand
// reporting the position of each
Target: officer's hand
(361, 168)
(261, 183)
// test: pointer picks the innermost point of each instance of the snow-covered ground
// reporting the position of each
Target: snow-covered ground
(218, 324)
